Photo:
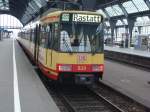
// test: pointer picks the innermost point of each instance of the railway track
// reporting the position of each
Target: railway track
(82, 99)
(101, 98)
(120, 100)
(73, 98)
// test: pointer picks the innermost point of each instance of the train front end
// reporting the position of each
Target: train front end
(87, 69)
(81, 58)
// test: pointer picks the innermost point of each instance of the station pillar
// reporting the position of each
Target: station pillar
(131, 22)
(139, 29)
(116, 31)
(112, 26)
(127, 39)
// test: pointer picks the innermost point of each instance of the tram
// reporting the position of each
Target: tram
(66, 45)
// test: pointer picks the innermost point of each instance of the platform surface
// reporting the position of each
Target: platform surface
(128, 51)
(33, 95)
(130, 81)
(6, 77)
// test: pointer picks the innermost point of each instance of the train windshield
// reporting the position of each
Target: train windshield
(81, 37)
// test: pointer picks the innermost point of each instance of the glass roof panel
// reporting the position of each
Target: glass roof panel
(146, 18)
(114, 10)
(107, 23)
(125, 21)
(139, 19)
(110, 11)
(119, 22)
(141, 5)
(35, 6)
(32, 6)
(142, 19)
(4, 8)
(130, 7)
(43, 2)
(4, 5)
(101, 12)
(38, 2)
(117, 9)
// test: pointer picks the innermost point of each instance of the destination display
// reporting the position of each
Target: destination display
(86, 18)
(81, 18)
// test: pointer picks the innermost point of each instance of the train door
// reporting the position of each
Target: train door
(49, 46)
(41, 47)
(47, 41)
(54, 44)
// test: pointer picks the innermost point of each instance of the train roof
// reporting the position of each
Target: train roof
(70, 11)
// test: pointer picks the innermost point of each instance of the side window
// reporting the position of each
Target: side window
(32, 35)
(47, 29)
(50, 36)
(55, 27)
(28, 35)
(42, 37)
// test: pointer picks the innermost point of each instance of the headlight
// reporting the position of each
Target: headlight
(65, 67)
(98, 68)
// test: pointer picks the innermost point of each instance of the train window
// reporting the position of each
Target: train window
(75, 37)
(55, 42)
(32, 35)
(28, 35)
(44, 36)
(50, 36)
(47, 29)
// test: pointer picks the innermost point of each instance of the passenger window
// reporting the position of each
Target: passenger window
(55, 36)
(47, 29)
(50, 36)
(42, 37)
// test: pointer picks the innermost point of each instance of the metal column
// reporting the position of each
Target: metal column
(112, 26)
(131, 22)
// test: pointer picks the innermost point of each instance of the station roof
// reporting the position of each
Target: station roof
(26, 10)
(125, 7)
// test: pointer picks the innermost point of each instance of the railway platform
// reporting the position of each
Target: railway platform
(20, 87)
(131, 56)
(130, 51)
(131, 81)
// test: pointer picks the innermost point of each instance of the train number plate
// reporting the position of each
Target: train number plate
(81, 68)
